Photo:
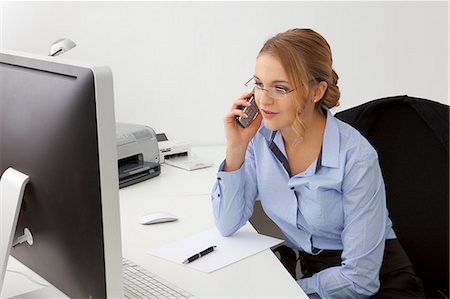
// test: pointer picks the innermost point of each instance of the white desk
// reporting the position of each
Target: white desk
(187, 195)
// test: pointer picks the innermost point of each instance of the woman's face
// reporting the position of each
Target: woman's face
(277, 113)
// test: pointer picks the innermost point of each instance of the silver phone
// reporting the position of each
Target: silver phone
(252, 111)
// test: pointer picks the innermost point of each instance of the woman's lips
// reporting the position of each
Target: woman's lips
(268, 114)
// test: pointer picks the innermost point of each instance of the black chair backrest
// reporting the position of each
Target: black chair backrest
(411, 136)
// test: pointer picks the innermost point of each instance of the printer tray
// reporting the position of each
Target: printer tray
(134, 173)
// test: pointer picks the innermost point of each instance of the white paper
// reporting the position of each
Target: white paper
(229, 250)
(188, 163)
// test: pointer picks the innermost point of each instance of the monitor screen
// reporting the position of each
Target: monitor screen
(57, 126)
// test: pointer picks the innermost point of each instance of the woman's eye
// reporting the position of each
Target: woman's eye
(259, 85)
(281, 89)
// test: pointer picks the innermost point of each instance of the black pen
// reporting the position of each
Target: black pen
(199, 255)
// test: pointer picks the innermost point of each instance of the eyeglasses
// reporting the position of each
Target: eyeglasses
(277, 92)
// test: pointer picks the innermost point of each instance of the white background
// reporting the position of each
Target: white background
(178, 65)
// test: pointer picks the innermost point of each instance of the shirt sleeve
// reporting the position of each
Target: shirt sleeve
(363, 236)
(234, 195)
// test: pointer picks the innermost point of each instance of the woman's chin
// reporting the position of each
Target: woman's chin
(270, 125)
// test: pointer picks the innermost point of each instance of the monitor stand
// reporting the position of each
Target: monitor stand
(12, 187)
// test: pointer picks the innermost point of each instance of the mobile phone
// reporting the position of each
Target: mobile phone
(252, 111)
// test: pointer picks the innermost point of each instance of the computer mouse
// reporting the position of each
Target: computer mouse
(60, 46)
(157, 217)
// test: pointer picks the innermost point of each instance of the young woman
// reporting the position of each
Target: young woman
(317, 178)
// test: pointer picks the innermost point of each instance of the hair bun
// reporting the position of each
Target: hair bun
(332, 94)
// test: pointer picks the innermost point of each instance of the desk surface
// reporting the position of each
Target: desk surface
(187, 194)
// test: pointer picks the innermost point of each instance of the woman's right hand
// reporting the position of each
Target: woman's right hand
(238, 137)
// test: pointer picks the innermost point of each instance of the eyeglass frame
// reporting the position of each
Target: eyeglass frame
(271, 91)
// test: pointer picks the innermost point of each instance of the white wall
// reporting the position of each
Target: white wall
(179, 65)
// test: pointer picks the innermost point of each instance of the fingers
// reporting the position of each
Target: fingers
(230, 117)
(238, 112)
(241, 101)
(234, 132)
(236, 108)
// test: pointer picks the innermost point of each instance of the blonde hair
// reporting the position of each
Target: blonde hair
(306, 58)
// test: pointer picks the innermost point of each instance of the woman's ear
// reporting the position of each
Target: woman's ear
(319, 91)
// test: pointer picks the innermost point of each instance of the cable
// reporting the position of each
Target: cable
(30, 278)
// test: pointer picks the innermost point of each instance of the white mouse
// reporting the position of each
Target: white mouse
(157, 217)
(60, 46)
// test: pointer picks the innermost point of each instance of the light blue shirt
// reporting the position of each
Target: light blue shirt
(340, 204)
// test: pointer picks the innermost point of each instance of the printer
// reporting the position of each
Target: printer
(172, 148)
(138, 153)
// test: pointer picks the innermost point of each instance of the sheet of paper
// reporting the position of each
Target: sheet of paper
(229, 250)
(188, 163)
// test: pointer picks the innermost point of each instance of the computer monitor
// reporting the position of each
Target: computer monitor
(57, 127)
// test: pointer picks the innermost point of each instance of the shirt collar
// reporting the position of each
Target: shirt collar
(264, 131)
(331, 142)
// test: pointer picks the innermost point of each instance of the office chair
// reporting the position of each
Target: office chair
(411, 136)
